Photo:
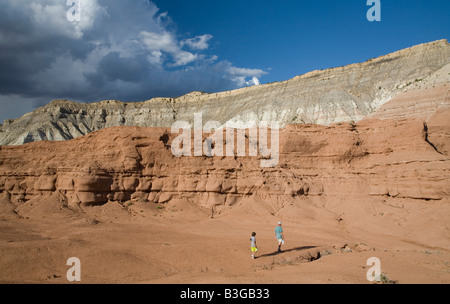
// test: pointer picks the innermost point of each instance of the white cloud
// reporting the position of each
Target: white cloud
(183, 58)
(161, 17)
(253, 81)
(242, 81)
(159, 41)
(245, 72)
(241, 75)
(198, 43)
(156, 57)
(165, 42)
(213, 58)
(50, 19)
(50, 16)
(89, 11)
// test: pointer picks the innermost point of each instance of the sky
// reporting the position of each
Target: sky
(134, 50)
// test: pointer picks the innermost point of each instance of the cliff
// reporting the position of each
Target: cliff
(342, 94)
(337, 171)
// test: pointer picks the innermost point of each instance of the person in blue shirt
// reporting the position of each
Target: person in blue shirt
(279, 235)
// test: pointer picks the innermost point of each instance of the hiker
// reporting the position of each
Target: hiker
(253, 246)
(279, 235)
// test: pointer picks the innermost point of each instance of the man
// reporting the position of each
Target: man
(279, 235)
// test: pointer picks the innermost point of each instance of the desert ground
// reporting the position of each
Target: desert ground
(180, 243)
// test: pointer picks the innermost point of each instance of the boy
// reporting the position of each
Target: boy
(253, 246)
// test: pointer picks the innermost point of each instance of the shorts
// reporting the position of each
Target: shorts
(254, 249)
(281, 241)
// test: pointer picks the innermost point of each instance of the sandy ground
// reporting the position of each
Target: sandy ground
(183, 244)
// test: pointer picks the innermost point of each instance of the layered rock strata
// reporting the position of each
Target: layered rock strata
(389, 158)
(342, 94)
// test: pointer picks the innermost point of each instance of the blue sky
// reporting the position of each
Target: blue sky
(292, 37)
(140, 49)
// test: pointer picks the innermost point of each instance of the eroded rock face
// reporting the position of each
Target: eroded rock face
(390, 158)
(416, 103)
(341, 94)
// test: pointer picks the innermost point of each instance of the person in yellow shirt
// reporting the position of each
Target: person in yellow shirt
(253, 245)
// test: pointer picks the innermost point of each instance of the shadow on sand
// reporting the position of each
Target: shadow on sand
(287, 250)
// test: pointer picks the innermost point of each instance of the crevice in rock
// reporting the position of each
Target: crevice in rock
(165, 139)
(425, 130)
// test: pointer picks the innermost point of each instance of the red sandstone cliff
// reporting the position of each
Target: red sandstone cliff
(325, 173)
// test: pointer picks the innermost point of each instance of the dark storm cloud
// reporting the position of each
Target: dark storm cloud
(118, 50)
(112, 68)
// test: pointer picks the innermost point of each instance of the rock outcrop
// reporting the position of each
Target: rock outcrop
(342, 94)
(386, 158)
